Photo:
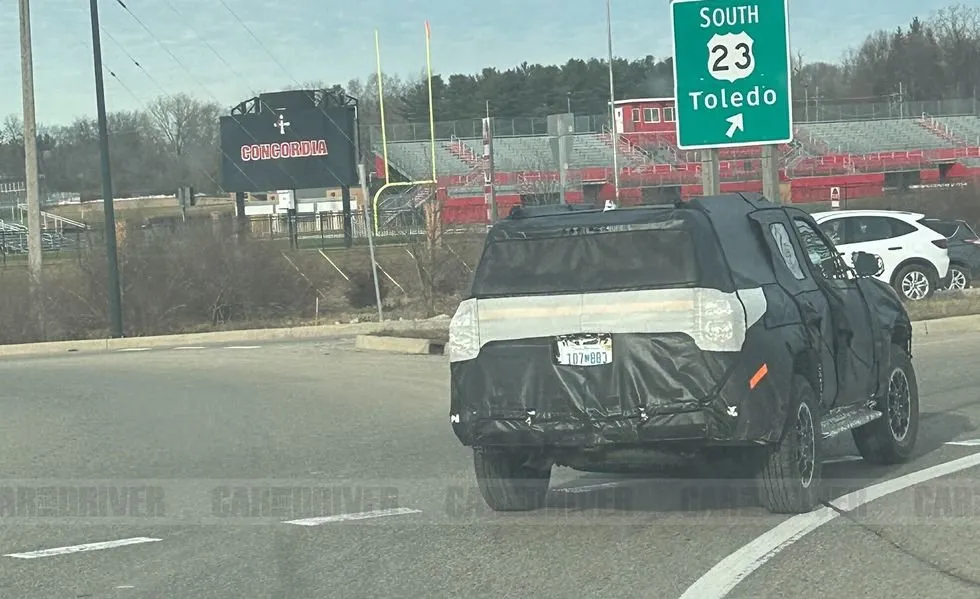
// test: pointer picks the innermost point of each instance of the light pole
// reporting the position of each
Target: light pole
(612, 101)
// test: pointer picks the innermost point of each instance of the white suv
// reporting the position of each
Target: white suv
(916, 260)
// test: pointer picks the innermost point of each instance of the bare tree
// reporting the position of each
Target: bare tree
(188, 129)
(182, 121)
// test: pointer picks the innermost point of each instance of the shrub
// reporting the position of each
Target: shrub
(360, 289)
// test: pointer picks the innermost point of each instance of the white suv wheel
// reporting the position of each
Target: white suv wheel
(957, 279)
(915, 285)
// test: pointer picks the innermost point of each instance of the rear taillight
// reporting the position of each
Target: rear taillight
(941, 243)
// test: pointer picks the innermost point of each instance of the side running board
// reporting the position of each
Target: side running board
(845, 418)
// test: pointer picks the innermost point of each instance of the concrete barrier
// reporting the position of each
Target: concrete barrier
(400, 345)
(939, 326)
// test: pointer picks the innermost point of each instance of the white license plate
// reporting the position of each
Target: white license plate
(584, 350)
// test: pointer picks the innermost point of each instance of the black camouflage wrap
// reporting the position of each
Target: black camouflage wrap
(662, 387)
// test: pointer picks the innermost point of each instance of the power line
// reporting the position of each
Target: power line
(245, 81)
(146, 108)
(166, 95)
(265, 49)
(213, 97)
(257, 40)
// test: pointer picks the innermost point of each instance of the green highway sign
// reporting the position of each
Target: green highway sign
(731, 73)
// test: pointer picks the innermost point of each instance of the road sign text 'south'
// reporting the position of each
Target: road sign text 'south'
(731, 73)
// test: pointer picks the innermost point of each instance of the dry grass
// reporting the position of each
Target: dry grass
(200, 277)
(945, 305)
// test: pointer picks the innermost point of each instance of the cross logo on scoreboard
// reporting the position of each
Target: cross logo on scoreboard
(281, 124)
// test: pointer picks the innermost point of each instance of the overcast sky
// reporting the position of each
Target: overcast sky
(334, 42)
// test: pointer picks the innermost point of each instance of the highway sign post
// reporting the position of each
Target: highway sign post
(731, 73)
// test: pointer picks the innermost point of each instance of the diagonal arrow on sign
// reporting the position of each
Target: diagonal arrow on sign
(737, 124)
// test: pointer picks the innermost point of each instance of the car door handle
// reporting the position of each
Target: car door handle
(897, 247)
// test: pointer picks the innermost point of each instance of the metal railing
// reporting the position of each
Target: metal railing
(51, 221)
(594, 123)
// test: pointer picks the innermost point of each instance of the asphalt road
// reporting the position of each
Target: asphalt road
(174, 448)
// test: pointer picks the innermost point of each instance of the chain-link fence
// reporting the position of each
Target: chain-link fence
(812, 110)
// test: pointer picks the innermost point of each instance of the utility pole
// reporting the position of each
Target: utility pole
(612, 101)
(34, 248)
(115, 295)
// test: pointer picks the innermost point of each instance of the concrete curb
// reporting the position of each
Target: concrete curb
(945, 326)
(241, 336)
(400, 345)
(938, 326)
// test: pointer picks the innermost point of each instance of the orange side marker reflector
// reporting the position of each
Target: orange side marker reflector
(758, 376)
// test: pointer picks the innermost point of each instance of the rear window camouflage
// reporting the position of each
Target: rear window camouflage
(588, 259)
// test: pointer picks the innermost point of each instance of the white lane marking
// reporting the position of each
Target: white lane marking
(244, 347)
(398, 511)
(965, 443)
(593, 487)
(125, 586)
(843, 459)
(81, 548)
(135, 349)
(717, 582)
(191, 347)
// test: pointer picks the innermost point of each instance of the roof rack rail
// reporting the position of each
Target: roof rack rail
(518, 212)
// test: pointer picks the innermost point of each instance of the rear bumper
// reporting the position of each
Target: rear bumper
(692, 426)
(658, 389)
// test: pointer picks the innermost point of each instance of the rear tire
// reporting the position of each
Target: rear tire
(959, 278)
(891, 438)
(791, 476)
(511, 480)
(914, 283)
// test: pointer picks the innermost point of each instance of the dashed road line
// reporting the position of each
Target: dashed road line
(965, 443)
(317, 521)
(190, 347)
(82, 548)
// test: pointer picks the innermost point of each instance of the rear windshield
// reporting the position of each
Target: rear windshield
(966, 232)
(945, 229)
(584, 261)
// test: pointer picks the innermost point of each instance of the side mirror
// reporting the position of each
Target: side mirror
(867, 265)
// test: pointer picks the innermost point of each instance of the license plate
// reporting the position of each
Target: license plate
(584, 350)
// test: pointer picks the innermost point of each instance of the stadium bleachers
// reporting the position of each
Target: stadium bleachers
(867, 137)
(515, 154)
(966, 127)
(820, 149)
(414, 158)
(13, 239)
(512, 154)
